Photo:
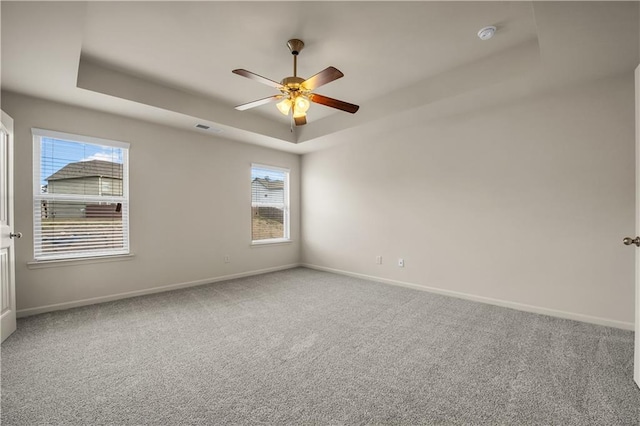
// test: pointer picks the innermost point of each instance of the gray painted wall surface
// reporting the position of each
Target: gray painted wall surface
(182, 226)
(526, 203)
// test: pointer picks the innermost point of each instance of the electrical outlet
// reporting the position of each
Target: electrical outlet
(227, 258)
(379, 260)
(401, 263)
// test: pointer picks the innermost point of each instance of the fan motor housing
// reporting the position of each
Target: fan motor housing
(292, 83)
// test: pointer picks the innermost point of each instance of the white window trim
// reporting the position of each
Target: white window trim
(272, 241)
(78, 138)
(286, 218)
(75, 261)
(37, 134)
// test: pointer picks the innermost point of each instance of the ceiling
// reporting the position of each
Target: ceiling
(171, 62)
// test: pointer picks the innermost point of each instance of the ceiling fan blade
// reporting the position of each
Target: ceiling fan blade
(325, 76)
(301, 120)
(333, 103)
(259, 102)
(258, 78)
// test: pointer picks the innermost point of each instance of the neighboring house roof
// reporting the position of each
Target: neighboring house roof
(270, 184)
(91, 168)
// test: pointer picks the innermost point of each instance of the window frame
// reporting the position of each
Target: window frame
(38, 134)
(286, 238)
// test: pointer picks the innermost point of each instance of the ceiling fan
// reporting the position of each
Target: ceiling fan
(296, 91)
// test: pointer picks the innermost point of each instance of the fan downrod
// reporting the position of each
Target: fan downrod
(295, 46)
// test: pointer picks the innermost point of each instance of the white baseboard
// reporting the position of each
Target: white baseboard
(504, 303)
(498, 302)
(101, 299)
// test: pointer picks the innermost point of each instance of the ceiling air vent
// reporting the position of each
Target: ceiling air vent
(208, 128)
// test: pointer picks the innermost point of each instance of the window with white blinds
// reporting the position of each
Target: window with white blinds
(80, 196)
(269, 204)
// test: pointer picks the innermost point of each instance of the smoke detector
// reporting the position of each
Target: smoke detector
(486, 33)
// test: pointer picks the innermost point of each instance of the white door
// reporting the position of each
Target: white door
(7, 236)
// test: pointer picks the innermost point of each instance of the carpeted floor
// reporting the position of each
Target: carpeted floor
(308, 347)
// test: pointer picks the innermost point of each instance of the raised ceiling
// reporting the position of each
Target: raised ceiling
(171, 62)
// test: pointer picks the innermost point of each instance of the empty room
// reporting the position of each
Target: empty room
(320, 213)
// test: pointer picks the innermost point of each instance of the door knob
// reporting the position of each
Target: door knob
(628, 241)
(15, 235)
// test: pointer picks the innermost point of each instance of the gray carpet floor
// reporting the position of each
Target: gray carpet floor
(308, 347)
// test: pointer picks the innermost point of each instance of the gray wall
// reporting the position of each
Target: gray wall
(526, 203)
(177, 235)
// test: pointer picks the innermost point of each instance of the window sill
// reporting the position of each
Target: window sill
(279, 241)
(54, 263)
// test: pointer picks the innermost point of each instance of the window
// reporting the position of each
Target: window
(269, 204)
(80, 196)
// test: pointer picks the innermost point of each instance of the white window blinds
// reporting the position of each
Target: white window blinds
(80, 196)
(269, 203)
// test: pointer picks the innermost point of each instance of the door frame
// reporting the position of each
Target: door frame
(636, 359)
(8, 317)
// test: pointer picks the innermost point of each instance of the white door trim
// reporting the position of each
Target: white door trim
(636, 363)
(7, 255)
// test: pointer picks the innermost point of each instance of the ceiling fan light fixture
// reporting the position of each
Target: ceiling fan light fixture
(297, 93)
(284, 106)
(302, 104)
